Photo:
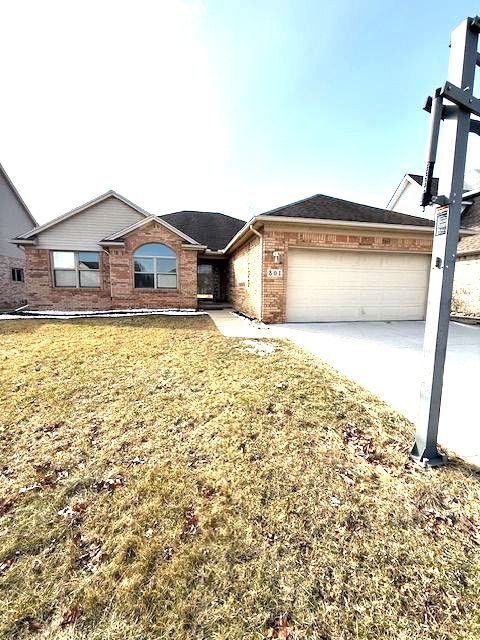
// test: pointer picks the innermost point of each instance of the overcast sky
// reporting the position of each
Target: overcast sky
(236, 106)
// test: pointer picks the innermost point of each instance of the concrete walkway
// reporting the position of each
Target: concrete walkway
(386, 358)
(235, 326)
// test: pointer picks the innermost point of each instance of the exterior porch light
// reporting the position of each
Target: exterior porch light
(277, 257)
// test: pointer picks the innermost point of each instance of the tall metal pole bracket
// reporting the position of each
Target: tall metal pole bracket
(457, 93)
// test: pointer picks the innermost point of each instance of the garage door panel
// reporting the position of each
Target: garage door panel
(325, 286)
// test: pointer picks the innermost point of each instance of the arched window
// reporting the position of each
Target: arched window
(155, 267)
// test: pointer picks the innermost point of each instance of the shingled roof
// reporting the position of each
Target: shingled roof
(419, 180)
(329, 208)
(212, 229)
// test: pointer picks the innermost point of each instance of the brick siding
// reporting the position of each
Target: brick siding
(12, 294)
(244, 278)
(116, 266)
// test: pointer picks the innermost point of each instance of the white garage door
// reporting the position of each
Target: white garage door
(326, 286)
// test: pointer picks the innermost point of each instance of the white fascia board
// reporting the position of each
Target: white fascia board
(399, 190)
(83, 207)
(348, 223)
(194, 247)
(126, 230)
(328, 223)
(469, 194)
(21, 242)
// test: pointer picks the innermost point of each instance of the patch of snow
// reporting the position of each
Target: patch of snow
(53, 314)
(259, 347)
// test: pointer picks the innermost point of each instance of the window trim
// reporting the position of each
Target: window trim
(76, 269)
(17, 271)
(155, 273)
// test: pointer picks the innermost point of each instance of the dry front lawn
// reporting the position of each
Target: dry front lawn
(160, 481)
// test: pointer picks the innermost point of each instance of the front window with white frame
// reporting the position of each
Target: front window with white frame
(155, 267)
(76, 269)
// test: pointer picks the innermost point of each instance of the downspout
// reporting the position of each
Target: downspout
(257, 233)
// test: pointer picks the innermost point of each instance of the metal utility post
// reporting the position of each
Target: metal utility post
(453, 104)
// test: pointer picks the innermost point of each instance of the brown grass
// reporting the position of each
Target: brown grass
(158, 480)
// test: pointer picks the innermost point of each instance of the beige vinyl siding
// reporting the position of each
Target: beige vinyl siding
(84, 230)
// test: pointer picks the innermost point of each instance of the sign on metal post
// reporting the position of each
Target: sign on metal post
(452, 105)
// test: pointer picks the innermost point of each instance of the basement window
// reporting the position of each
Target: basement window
(76, 269)
(17, 275)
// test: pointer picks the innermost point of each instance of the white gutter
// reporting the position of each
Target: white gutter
(331, 223)
(348, 223)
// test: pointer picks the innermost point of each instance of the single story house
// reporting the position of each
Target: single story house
(466, 286)
(319, 259)
(15, 218)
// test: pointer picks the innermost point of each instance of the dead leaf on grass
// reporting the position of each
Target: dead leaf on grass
(190, 526)
(168, 553)
(92, 558)
(280, 629)
(6, 564)
(110, 484)
(5, 505)
(71, 615)
(361, 444)
(34, 625)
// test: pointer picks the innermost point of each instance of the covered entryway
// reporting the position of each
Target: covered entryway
(329, 286)
(211, 280)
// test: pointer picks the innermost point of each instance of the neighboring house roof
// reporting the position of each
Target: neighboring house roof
(324, 207)
(471, 213)
(408, 179)
(18, 196)
(419, 180)
(212, 229)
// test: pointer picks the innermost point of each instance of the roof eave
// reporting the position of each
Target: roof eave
(194, 247)
(23, 241)
(324, 222)
(349, 223)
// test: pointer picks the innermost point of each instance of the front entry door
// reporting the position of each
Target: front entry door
(205, 281)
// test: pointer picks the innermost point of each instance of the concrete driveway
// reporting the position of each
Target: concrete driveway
(386, 358)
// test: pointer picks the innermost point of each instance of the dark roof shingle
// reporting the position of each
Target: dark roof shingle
(212, 229)
(419, 180)
(329, 208)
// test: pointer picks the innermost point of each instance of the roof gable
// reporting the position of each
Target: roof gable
(80, 209)
(119, 235)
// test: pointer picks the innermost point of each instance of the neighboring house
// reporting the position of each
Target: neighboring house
(407, 196)
(319, 259)
(15, 218)
(466, 286)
